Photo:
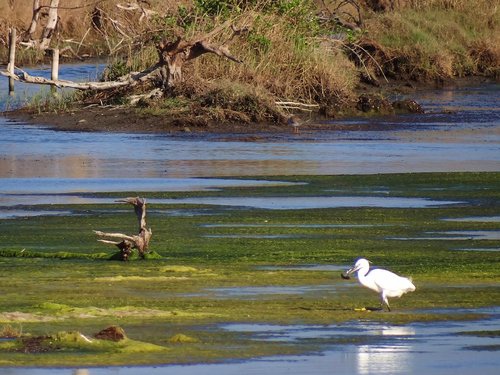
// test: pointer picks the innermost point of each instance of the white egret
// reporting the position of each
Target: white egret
(385, 282)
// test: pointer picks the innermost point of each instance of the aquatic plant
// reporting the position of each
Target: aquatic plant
(213, 266)
(313, 53)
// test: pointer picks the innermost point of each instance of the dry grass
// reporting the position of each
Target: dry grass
(443, 4)
(486, 55)
(439, 39)
(285, 60)
(8, 331)
(288, 53)
(284, 57)
(118, 31)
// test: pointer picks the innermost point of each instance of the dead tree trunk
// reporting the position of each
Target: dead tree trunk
(128, 243)
(34, 21)
(49, 29)
(44, 42)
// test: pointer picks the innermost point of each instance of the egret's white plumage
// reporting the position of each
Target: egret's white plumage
(384, 282)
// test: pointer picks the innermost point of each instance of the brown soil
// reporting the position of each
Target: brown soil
(34, 345)
(131, 120)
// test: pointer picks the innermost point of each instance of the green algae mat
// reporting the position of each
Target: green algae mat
(274, 257)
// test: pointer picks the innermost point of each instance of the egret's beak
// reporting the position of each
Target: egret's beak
(348, 272)
(352, 270)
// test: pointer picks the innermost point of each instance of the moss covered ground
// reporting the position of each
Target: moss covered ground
(217, 264)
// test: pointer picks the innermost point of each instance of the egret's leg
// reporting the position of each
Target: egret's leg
(384, 300)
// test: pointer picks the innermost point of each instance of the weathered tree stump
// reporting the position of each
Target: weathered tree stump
(173, 54)
(128, 243)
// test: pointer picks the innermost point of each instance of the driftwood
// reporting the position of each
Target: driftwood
(128, 243)
(130, 80)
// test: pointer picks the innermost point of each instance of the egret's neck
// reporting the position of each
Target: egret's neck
(362, 272)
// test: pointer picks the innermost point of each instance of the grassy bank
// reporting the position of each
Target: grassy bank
(217, 262)
(315, 52)
(439, 40)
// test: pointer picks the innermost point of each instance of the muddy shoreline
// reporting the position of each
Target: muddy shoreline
(127, 119)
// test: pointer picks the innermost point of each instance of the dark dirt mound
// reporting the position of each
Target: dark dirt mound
(112, 333)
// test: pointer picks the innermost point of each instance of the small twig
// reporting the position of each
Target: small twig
(373, 59)
(81, 41)
(116, 24)
(298, 104)
(359, 58)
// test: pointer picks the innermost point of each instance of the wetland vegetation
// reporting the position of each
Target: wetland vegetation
(336, 57)
(210, 268)
(217, 272)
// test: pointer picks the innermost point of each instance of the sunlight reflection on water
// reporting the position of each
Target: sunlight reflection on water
(268, 203)
(438, 348)
(461, 133)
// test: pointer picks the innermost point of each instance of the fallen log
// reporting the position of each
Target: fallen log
(129, 80)
(130, 242)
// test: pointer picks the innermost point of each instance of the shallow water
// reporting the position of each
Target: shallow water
(24, 92)
(9, 199)
(34, 152)
(299, 203)
(463, 235)
(259, 292)
(479, 249)
(41, 191)
(24, 186)
(434, 348)
(465, 139)
(476, 219)
(460, 132)
(13, 213)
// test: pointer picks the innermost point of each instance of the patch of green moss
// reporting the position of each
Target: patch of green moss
(135, 256)
(54, 307)
(202, 257)
(74, 341)
(177, 269)
(181, 338)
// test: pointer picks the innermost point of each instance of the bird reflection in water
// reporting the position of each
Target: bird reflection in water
(394, 357)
